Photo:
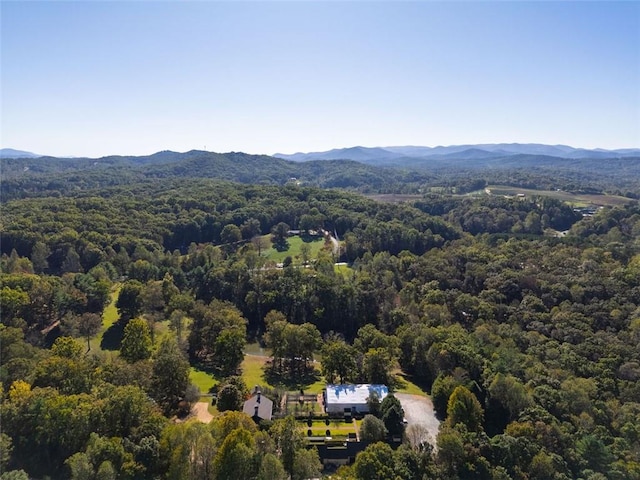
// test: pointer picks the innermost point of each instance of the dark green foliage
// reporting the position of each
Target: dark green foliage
(392, 414)
(372, 429)
(229, 398)
(467, 295)
(170, 377)
(136, 341)
(463, 407)
(129, 302)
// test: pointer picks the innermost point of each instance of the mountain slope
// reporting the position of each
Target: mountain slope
(410, 155)
(12, 153)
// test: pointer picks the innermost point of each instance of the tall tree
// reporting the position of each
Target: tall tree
(339, 360)
(39, 257)
(89, 325)
(136, 341)
(392, 414)
(376, 462)
(372, 429)
(170, 375)
(279, 235)
(463, 407)
(129, 303)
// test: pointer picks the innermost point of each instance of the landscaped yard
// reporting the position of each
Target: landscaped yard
(337, 428)
(252, 371)
(316, 244)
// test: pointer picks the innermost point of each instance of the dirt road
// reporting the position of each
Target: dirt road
(201, 411)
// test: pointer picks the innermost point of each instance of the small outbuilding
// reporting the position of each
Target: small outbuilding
(258, 407)
(352, 398)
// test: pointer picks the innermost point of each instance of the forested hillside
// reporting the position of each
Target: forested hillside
(527, 341)
(48, 176)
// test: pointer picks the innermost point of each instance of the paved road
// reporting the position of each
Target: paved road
(418, 410)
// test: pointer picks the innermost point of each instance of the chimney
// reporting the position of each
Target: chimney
(258, 398)
(255, 413)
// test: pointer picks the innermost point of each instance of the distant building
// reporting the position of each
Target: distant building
(258, 407)
(353, 398)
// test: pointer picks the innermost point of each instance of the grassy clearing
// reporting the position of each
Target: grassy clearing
(345, 270)
(252, 371)
(255, 349)
(580, 200)
(405, 385)
(317, 386)
(109, 317)
(316, 244)
(201, 379)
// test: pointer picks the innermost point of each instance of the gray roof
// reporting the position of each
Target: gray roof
(265, 407)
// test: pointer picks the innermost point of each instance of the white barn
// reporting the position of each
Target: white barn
(339, 398)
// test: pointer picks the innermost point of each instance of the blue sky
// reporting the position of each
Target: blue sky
(99, 78)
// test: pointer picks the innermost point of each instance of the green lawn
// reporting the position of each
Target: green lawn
(110, 314)
(316, 244)
(407, 386)
(109, 317)
(201, 379)
(252, 371)
(319, 428)
(345, 270)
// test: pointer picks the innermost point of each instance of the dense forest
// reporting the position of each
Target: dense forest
(525, 339)
(48, 176)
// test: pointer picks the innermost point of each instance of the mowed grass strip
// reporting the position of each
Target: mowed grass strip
(109, 317)
(253, 371)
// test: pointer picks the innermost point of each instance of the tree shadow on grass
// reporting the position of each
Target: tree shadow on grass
(112, 336)
(399, 381)
(288, 381)
(306, 238)
(281, 246)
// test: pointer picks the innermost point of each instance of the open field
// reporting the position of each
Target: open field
(295, 242)
(577, 200)
(201, 379)
(394, 197)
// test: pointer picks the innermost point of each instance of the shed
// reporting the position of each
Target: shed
(350, 397)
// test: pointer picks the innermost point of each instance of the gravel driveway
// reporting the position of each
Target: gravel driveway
(201, 411)
(418, 410)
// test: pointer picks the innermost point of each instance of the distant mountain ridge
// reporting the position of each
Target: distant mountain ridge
(409, 154)
(466, 169)
(13, 153)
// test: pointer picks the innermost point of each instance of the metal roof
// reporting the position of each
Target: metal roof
(354, 394)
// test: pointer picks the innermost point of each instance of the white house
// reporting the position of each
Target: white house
(339, 398)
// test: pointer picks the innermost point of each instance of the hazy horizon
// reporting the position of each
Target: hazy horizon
(91, 79)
